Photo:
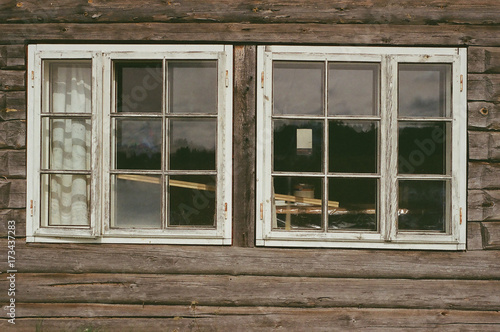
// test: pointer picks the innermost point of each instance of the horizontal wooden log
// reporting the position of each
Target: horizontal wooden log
(483, 175)
(13, 163)
(12, 193)
(13, 106)
(219, 290)
(491, 235)
(331, 263)
(12, 80)
(103, 317)
(19, 216)
(484, 145)
(483, 205)
(483, 116)
(484, 60)
(12, 57)
(273, 11)
(474, 236)
(13, 134)
(331, 34)
(483, 87)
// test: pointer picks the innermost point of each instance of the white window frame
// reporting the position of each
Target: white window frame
(102, 57)
(386, 236)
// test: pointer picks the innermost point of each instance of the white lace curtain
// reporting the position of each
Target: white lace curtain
(70, 142)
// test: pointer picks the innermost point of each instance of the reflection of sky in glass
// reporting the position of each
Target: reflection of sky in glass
(424, 89)
(298, 87)
(193, 87)
(353, 89)
(196, 134)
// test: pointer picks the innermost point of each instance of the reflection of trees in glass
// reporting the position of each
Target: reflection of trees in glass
(422, 148)
(286, 157)
(138, 145)
(187, 156)
(423, 203)
(353, 147)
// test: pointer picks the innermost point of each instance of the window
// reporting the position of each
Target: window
(361, 147)
(130, 143)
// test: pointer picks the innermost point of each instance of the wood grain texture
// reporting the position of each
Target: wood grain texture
(483, 60)
(484, 146)
(491, 235)
(13, 134)
(12, 80)
(19, 216)
(474, 236)
(331, 34)
(483, 205)
(244, 145)
(13, 163)
(484, 175)
(12, 57)
(13, 105)
(221, 290)
(483, 87)
(483, 116)
(327, 263)
(12, 193)
(272, 11)
(77, 317)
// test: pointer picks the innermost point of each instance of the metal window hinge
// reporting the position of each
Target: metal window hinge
(461, 83)
(460, 216)
(32, 75)
(262, 80)
(225, 210)
(227, 78)
(261, 211)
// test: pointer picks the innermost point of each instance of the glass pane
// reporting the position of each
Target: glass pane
(193, 86)
(298, 145)
(353, 89)
(353, 146)
(357, 199)
(138, 144)
(423, 205)
(192, 200)
(297, 203)
(298, 88)
(139, 86)
(66, 144)
(136, 201)
(69, 87)
(66, 199)
(192, 144)
(423, 148)
(425, 90)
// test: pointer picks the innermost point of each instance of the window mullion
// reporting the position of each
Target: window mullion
(325, 152)
(388, 147)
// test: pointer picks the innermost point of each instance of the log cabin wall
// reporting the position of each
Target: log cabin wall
(77, 287)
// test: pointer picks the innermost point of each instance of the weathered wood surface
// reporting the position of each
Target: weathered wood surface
(484, 175)
(271, 11)
(12, 193)
(342, 34)
(13, 134)
(12, 80)
(483, 87)
(13, 163)
(12, 57)
(484, 145)
(491, 235)
(77, 317)
(483, 205)
(19, 216)
(483, 60)
(474, 236)
(328, 263)
(483, 116)
(222, 290)
(244, 145)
